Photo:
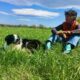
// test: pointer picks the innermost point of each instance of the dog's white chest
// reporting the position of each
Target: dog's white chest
(18, 46)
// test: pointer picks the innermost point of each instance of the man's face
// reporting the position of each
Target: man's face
(69, 19)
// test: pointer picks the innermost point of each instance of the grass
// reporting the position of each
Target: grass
(48, 65)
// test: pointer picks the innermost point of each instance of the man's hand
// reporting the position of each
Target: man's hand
(63, 33)
(59, 32)
(67, 32)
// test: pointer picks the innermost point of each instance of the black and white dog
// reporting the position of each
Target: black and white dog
(12, 39)
(31, 44)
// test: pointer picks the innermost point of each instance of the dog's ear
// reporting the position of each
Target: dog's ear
(9, 39)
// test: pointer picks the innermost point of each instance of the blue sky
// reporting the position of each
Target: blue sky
(34, 12)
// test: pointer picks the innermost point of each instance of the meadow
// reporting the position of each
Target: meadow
(42, 65)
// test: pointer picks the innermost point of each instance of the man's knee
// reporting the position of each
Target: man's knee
(74, 40)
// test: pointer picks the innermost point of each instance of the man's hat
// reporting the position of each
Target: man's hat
(71, 13)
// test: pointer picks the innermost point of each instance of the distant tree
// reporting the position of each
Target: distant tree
(78, 19)
(33, 26)
(41, 26)
(1, 25)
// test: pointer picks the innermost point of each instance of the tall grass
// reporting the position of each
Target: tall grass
(42, 65)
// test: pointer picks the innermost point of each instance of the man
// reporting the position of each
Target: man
(64, 32)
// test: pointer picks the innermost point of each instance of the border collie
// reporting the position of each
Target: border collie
(31, 44)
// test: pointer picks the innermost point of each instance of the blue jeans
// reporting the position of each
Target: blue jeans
(74, 39)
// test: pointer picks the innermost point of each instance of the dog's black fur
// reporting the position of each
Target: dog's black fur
(10, 39)
(31, 44)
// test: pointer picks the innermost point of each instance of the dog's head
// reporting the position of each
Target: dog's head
(11, 39)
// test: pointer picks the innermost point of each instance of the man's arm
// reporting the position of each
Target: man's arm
(76, 31)
(56, 29)
(79, 26)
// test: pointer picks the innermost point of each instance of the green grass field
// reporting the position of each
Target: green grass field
(48, 65)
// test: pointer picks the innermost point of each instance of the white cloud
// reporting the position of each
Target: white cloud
(23, 19)
(34, 12)
(4, 13)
